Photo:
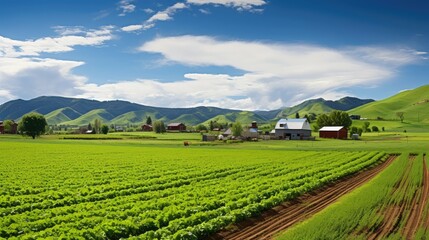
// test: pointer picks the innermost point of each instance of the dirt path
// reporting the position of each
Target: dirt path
(419, 203)
(289, 213)
(394, 213)
(425, 194)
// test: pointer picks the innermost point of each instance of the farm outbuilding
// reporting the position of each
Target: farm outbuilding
(13, 130)
(293, 129)
(176, 127)
(147, 128)
(337, 132)
(251, 132)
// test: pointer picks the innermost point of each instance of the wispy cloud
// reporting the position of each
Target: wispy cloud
(242, 5)
(164, 15)
(168, 13)
(126, 7)
(132, 28)
(69, 37)
(148, 10)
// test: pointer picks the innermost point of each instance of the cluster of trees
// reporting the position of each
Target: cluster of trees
(335, 118)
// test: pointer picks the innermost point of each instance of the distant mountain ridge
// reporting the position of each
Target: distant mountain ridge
(74, 111)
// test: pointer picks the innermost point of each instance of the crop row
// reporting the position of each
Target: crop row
(393, 206)
(201, 191)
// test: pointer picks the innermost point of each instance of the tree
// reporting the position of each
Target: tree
(366, 126)
(158, 127)
(8, 126)
(89, 127)
(33, 125)
(201, 127)
(340, 118)
(237, 129)
(149, 120)
(297, 115)
(374, 128)
(353, 130)
(104, 129)
(359, 131)
(323, 120)
(211, 126)
(401, 116)
(97, 125)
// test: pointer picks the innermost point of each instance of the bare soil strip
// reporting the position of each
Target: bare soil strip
(425, 195)
(281, 217)
(419, 203)
(394, 213)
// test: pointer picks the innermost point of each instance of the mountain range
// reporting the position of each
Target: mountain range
(74, 111)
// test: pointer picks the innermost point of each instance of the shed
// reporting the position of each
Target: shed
(227, 133)
(13, 130)
(147, 128)
(179, 127)
(293, 129)
(337, 132)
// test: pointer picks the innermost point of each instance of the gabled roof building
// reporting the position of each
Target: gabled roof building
(293, 129)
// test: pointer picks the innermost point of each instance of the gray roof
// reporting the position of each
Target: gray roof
(295, 124)
(174, 124)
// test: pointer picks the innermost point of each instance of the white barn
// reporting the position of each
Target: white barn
(293, 129)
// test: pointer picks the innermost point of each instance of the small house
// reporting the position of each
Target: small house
(147, 128)
(251, 132)
(227, 133)
(337, 132)
(13, 130)
(176, 127)
(293, 129)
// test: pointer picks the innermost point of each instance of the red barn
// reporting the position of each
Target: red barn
(147, 128)
(337, 132)
(180, 127)
(14, 129)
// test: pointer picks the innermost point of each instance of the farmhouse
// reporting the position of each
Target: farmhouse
(14, 129)
(338, 132)
(251, 132)
(178, 127)
(293, 129)
(147, 128)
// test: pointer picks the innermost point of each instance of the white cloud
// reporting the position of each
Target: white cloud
(273, 74)
(132, 28)
(204, 11)
(148, 10)
(163, 15)
(32, 77)
(63, 43)
(277, 74)
(239, 4)
(126, 7)
(168, 13)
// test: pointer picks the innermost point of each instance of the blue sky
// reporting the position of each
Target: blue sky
(241, 54)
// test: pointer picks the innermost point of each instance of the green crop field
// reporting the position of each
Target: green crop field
(116, 189)
(149, 186)
(390, 206)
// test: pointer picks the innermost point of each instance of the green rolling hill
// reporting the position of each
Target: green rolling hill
(90, 116)
(413, 103)
(72, 111)
(320, 105)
